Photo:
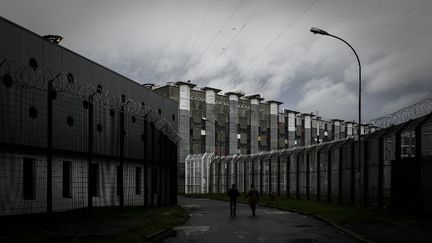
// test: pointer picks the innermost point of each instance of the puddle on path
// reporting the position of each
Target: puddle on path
(277, 212)
(191, 230)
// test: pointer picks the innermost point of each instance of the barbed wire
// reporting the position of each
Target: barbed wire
(416, 110)
(65, 84)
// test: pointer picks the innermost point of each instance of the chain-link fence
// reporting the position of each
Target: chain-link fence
(67, 143)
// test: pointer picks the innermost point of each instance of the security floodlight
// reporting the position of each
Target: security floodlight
(319, 31)
(56, 39)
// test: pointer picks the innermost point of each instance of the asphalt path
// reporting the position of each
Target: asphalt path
(210, 221)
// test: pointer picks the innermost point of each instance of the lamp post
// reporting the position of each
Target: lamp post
(323, 32)
(220, 153)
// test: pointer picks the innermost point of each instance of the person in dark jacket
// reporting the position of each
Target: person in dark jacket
(233, 193)
(253, 196)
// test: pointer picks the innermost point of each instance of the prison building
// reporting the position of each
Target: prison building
(234, 123)
(74, 134)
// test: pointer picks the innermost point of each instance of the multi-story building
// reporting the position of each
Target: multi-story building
(75, 134)
(235, 123)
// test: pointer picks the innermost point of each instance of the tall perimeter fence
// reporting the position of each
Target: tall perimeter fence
(66, 143)
(395, 170)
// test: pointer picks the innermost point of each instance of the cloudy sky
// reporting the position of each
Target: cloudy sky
(256, 46)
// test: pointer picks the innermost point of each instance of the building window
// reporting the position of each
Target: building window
(32, 112)
(138, 180)
(7, 81)
(29, 179)
(94, 180)
(67, 179)
(33, 64)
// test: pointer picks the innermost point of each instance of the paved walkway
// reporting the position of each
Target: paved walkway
(210, 222)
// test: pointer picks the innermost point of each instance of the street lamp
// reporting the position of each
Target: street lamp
(220, 153)
(323, 32)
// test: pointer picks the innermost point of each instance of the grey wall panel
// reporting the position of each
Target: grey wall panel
(70, 63)
(33, 131)
(134, 129)
(70, 105)
(52, 55)
(85, 69)
(171, 108)
(155, 101)
(127, 87)
(106, 141)
(10, 48)
(32, 47)
(10, 42)
(102, 76)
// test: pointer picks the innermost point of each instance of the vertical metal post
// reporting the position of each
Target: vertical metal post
(145, 162)
(353, 174)
(245, 175)
(253, 171)
(236, 172)
(340, 189)
(90, 154)
(288, 176)
(307, 175)
(159, 199)
(380, 192)
(365, 173)
(121, 155)
(270, 175)
(227, 176)
(318, 182)
(329, 175)
(261, 176)
(297, 175)
(50, 98)
(278, 176)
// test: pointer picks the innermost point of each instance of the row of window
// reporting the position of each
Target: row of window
(29, 179)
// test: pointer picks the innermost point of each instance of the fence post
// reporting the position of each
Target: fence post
(340, 189)
(288, 176)
(307, 174)
(418, 164)
(90, 153)
(365, 172)
(122, 137)
(270, 174)
(245, 175)
(318, 182)
(352, 156)
(297, 176)
(261, 176)
(145, 161)
(380, 195)
(329, 175)
(50, 97)
(278, 175)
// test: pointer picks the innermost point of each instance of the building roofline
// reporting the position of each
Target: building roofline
(290, 111)
(210, 88)
(238, 93)
(188, 83)
(274, 101)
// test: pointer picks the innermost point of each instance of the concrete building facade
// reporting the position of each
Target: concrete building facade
(75, 134)
(236, 123)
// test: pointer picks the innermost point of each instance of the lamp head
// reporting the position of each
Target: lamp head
(319, 31)
(203, 118)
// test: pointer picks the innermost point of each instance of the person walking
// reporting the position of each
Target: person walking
(253, 195)
(233, 193)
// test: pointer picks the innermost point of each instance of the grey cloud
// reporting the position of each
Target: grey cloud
(150, 41)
